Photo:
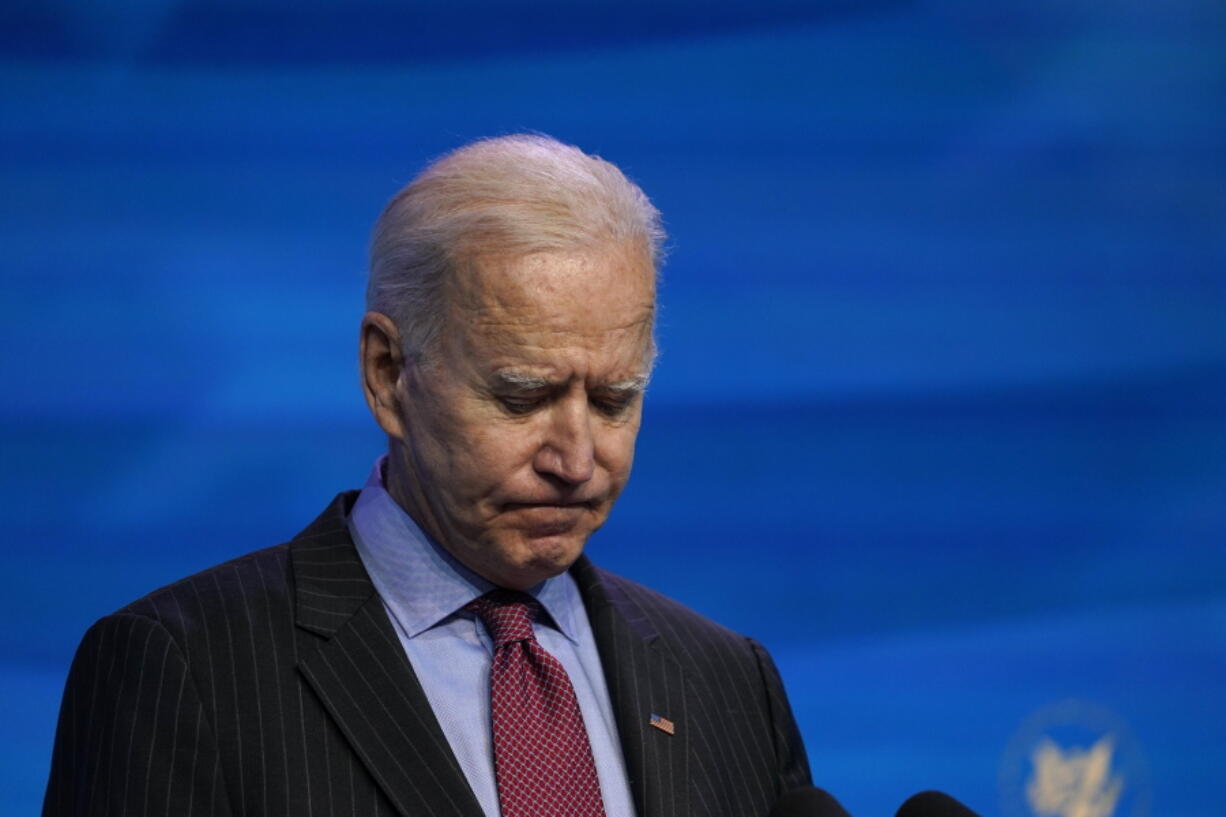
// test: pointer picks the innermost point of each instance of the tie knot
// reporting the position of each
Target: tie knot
(507, 614)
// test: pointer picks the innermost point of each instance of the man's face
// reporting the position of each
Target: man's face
(519, 430)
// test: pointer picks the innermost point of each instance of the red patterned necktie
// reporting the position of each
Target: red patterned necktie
(542, 758)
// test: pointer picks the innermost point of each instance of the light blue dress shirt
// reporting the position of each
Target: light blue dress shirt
(424, 590)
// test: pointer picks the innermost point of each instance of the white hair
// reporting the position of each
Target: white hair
(508, 196)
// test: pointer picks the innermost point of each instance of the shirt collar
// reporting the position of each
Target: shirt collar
(421, 583)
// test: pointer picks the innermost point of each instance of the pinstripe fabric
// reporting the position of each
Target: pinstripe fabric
(275, 685)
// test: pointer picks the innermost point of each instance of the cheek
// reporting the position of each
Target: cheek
(452, 451)
(490, 456)
(616, 451)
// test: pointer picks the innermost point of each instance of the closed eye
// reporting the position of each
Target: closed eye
(614, 406)
(520, 405)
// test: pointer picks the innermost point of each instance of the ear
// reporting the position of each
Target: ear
(381, 360)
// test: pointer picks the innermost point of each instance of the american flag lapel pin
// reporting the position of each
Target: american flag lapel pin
(662, 723)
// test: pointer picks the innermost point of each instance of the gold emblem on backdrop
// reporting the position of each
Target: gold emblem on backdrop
(1074, 782)
(1074, 759)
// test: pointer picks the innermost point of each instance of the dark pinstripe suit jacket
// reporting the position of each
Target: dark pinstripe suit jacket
(275, 685)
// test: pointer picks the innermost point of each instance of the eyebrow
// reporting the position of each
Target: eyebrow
(527, 383)
(632, 385)
(520, 381)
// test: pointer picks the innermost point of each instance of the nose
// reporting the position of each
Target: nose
(568, 450)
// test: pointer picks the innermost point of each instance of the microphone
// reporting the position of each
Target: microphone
(933, 804)
(808, 801)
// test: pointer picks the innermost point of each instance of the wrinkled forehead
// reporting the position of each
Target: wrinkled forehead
(581, 289)
(600, 304)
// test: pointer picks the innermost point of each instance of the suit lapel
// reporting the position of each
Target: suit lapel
(643, 682)
(363, 678)
(361, 675)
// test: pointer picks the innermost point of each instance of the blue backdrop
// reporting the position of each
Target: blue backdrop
(941, 410)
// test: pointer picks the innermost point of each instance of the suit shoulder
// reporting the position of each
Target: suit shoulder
(231, 590)
(680, 626)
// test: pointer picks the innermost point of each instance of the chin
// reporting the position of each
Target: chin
(533, 559)
(556, 552)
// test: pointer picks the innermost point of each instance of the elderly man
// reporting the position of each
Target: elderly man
(437, 644)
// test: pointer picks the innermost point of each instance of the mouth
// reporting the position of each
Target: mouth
(547, 518)
(560, 504)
